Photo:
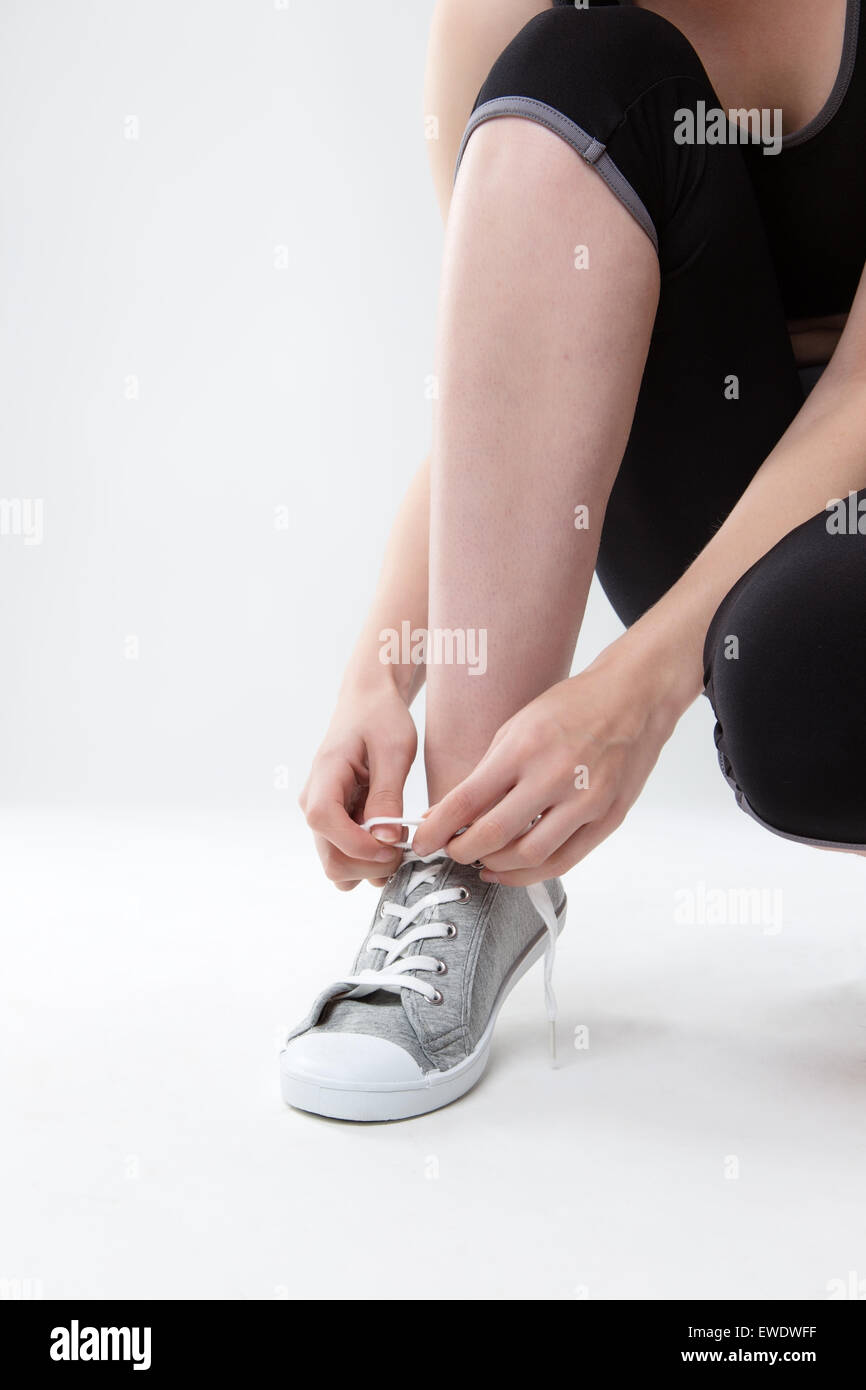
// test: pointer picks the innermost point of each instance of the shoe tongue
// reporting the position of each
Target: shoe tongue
(402, 890)
(397, 891)
(433, 870)
(349, 1012)
(448, 874)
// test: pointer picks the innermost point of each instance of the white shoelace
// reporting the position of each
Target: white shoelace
(397, 971)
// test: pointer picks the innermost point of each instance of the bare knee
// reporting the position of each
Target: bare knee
(466, 37)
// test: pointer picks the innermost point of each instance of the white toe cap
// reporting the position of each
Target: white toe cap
(351, 1059)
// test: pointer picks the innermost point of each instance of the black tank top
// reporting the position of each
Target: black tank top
(812, 194)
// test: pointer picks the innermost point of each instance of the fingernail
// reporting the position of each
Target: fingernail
(388, 834)
(487, 877)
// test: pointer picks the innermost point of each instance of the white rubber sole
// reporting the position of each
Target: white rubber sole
(401, 1100)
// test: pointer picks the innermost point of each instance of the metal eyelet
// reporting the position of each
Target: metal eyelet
(465, 895)
(441, 968)
(382, 910)
(452, 931)
(437, 998)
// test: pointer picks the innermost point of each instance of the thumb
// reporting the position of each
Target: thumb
(388, 772)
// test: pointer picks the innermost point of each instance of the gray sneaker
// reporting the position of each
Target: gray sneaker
(409, 1028)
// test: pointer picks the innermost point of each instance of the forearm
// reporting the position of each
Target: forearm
(821, 456)
(401, 596)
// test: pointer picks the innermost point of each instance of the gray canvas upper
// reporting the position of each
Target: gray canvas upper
(496, 927)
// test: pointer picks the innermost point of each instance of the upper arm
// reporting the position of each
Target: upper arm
(466, 38)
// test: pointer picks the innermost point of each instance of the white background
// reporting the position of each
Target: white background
(162, 914)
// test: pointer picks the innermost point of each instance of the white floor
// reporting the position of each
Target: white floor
(710, 1141)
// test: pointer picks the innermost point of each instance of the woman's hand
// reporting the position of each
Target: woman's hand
(578, 756)
(359, 772)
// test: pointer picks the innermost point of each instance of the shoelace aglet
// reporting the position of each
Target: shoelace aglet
(552, 1038)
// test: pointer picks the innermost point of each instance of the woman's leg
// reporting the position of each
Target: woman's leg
(539, 369)
(552, 275)
(785, 661)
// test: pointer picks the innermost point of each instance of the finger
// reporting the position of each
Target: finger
(500, 825)
(536, 845)
(388, 771)
(577, 847)
(341, 868)
(331, 790)
(464, 804)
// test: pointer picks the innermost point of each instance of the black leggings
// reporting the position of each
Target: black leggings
(785, 656)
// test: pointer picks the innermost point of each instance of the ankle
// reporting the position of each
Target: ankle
(444, 772)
